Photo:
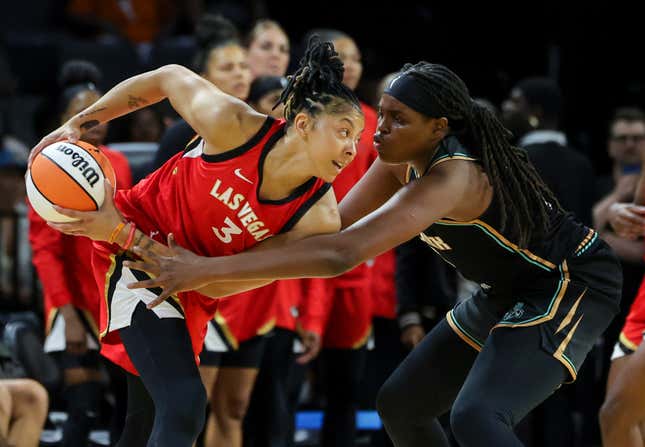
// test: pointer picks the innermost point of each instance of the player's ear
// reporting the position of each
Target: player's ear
(439, 127)
(302, 124)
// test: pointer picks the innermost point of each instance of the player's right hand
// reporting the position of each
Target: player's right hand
(412, 335)
(69, 131)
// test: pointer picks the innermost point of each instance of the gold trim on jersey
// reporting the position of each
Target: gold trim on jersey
(408, 173)
(462, 334)
(567, 319)
(627, 342)
(450, 158)
(108, 277)
(361, 341)
(266, 327)
(230, 338)
(589, 239)
(498, 237)
(50, 319)
(192, 140)
(559, 353)
(553, 306)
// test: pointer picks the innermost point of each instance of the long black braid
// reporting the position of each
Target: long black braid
(523, 197)
(317, 82)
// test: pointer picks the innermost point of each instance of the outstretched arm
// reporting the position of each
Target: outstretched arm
(408, 212)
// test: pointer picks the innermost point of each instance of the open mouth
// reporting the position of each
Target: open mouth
(337, 165)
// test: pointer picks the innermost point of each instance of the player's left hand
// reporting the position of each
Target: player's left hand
(312, 344)
(176, 272)
(97, 225)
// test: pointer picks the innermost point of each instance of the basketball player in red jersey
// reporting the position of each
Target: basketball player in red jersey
(248, 177)
(71, 298)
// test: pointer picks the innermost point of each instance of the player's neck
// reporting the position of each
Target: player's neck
(285, 168)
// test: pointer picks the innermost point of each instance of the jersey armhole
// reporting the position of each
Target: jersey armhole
(306, 206)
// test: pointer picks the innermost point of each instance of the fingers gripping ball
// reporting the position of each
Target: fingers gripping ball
(69, 175)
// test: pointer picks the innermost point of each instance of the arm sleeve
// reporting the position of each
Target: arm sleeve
(316, 304)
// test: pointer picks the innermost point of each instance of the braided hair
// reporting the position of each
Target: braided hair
(525, 201)
(317, 85)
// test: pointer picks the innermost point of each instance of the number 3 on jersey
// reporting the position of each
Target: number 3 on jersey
(226, 233)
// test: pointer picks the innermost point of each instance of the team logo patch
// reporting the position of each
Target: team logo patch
(435, 242)
(515, 313)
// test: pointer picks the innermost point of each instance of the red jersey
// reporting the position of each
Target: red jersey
(56, 257)
(634, 328)
(256, 312)
(211, 204)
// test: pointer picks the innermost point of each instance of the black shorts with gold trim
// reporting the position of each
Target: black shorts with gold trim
(572, 309)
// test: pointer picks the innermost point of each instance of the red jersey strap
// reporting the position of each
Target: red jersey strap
(305, 207)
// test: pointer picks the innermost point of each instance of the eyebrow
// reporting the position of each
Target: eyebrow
(350, 123)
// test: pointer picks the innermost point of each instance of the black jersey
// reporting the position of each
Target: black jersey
(485, 254)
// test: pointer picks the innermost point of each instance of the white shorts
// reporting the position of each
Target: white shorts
(123, 301)
(56, 341)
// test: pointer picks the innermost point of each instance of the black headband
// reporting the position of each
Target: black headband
(406, 89)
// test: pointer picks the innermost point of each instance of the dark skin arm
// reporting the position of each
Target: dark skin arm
(449, 191)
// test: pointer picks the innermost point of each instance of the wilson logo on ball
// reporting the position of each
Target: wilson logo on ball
(69, 175)
(78, 161)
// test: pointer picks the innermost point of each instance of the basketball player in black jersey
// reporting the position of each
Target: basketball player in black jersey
(446, 170)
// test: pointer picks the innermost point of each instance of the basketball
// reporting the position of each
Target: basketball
(69, 175)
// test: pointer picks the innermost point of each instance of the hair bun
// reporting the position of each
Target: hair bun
(213, 29)
(77, 72)
(321, 62)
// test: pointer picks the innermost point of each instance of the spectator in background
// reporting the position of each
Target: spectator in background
(13, 162)
(532, 113)
(626, 146)
(23, 403)
(146, 125)
(23, 409)
(265, 91)
(70, 293)
(268, 46)
(222, 60)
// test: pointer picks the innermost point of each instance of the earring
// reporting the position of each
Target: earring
(534, 121)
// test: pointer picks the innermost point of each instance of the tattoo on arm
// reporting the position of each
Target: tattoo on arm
(134, 102)
(92, 112)
(87, 125)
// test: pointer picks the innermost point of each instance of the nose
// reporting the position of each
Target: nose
(350, 150)
(382, 126)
